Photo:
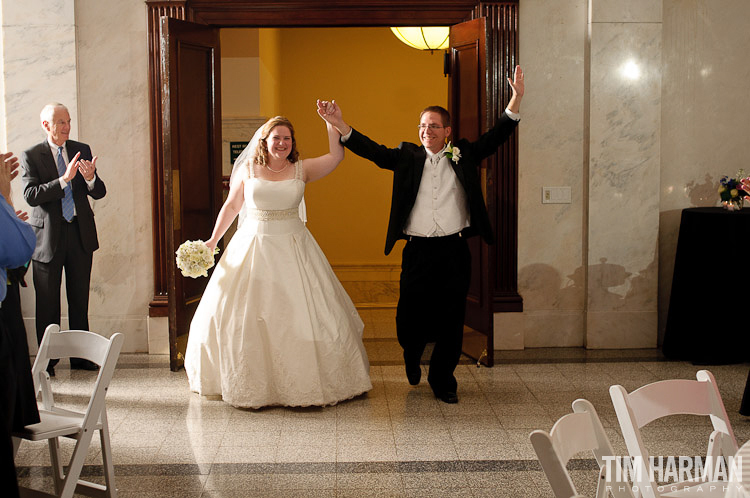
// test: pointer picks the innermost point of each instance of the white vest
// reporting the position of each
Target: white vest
(441, 207)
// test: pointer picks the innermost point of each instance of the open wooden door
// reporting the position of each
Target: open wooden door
(191, 131)
(467, 100)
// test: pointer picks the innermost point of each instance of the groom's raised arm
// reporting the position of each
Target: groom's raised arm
(382, 156)
(518, 87)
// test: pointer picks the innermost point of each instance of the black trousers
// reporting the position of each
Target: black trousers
(435, 276)
(25, 411)
(76, 262)
(8, 388)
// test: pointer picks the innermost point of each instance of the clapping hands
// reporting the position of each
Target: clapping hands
(86, 167)
(8, 171)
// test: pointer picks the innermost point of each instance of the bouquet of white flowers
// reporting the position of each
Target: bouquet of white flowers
(194, 258)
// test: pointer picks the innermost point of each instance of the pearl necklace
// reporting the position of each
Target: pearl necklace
(277, 170)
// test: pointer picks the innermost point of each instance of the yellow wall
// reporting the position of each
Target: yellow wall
(240, 81)
(381, 85)
(239, 42)
(270, 71)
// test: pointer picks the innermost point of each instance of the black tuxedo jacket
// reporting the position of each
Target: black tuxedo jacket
(42, 191)
(407, 163)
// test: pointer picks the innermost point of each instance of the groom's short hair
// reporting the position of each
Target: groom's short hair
(445, 116)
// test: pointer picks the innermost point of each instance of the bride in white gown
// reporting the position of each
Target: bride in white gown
(275, 326)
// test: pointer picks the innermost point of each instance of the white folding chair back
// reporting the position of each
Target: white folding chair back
(572, 434)
(57, 422)
(674, 397)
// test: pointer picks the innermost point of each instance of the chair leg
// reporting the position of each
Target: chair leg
(57, 469)
(76, 464)
(108, 467)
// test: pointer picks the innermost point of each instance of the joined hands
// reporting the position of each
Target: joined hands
(331, 113)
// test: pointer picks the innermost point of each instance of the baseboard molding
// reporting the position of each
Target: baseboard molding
(370, 286)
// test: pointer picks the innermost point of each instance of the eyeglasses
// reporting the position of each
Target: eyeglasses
(432, 127)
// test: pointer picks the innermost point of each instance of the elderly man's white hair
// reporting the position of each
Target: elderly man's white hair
(49, 110)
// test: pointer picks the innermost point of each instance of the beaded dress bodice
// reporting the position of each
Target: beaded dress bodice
(268, 200)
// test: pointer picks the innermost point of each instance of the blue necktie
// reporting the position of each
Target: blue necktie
(67, 201)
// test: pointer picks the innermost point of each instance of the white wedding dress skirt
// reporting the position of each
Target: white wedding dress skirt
(275, 326)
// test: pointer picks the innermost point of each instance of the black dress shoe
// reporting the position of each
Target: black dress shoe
(413, 370)
(447, 397)
(414, 374)
(81, 364)
(51, 370)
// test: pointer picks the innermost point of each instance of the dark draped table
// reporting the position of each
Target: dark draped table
(709, 294)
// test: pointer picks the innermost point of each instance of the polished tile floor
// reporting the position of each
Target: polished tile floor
(396, 441)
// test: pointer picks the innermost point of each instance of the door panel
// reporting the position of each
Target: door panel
(192, 159)
(468, 106)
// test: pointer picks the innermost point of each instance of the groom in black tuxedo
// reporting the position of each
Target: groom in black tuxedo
(436, 204)
(58, 177)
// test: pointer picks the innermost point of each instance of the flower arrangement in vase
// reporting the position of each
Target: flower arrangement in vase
(734, 191)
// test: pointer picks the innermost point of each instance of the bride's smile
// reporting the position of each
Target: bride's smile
(279, 143)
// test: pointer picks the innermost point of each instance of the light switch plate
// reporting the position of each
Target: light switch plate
(556, 195)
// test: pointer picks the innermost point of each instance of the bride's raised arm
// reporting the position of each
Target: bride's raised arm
(229, 211)
(318, 167)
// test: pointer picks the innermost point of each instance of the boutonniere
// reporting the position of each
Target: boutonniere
(453, 153)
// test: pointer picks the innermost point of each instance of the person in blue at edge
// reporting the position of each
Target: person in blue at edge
(16, 246)
(436, 204)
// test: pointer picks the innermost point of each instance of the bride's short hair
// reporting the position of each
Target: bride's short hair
(261, 154)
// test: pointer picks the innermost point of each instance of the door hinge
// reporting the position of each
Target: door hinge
(481, 356)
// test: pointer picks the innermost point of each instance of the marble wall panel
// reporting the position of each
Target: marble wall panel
(550, 135)
(562, 329)
(113, 97)
(631, 11)
(39, 58)
(624, 144)
(158, 335)
(508, 331)
(621, 329)
(37, 12)
(35, 75)
(624, 163)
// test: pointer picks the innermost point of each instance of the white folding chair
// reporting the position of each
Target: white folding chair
(572, 434)
(674, 397)
(58, 422)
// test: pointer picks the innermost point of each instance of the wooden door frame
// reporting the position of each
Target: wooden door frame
(502, 49)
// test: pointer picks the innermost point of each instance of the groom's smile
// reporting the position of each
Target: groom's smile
(433, 132)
